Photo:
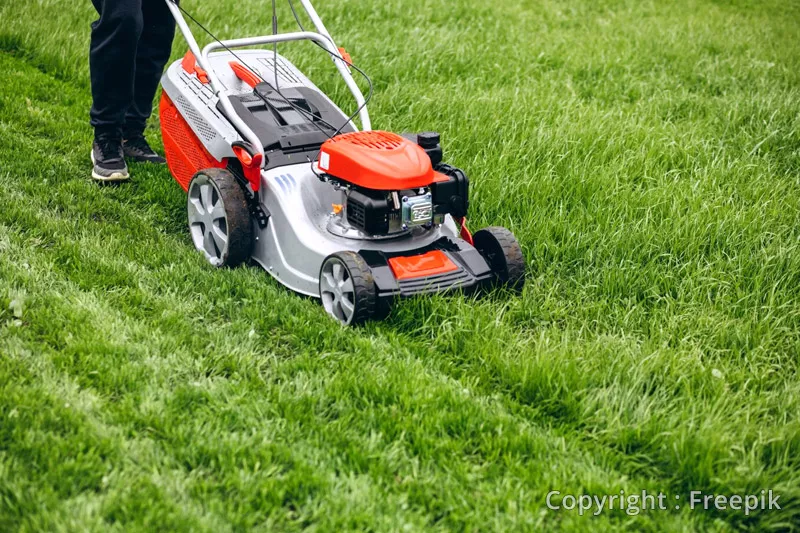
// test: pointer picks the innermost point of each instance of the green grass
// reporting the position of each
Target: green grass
(646, 154)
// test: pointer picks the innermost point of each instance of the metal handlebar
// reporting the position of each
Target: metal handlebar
(322, 37)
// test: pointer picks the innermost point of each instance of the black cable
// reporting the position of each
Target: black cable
(275, 45)
(311, 161)
(348, 63)
(366, 100)
(311, 116)
(300, 24)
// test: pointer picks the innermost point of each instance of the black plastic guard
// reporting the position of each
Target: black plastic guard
(473, 270)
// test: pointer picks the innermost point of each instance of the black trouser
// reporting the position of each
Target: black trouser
(131, 43)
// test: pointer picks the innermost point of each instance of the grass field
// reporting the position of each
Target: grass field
(646, 154)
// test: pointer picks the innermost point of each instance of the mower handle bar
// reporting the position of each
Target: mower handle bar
(321, 36)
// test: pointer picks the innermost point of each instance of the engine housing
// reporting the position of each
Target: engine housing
(374, 169)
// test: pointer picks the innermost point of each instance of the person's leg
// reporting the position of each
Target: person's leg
(112, 64)
(155, 45)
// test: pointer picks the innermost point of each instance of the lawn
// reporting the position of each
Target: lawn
(647, 156)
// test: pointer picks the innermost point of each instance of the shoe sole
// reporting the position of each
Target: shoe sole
(135, 159)
(116, 176)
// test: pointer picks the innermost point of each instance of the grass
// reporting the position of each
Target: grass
(646, 154)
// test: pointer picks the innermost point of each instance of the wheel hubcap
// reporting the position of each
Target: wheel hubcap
(337, 291)
(207, 221)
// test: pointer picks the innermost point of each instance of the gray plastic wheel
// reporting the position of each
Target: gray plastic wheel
(219, 219)
(347, 288)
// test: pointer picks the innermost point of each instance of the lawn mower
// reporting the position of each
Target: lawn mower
(277, 173)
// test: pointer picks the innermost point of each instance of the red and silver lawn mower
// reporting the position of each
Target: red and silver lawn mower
(276, 172)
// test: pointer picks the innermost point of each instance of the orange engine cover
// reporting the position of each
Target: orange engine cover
(376, 160)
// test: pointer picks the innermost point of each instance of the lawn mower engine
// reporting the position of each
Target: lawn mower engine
(392, 184)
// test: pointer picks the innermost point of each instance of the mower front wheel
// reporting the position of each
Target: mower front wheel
(219, 218)
(347, 288)
(503, 254)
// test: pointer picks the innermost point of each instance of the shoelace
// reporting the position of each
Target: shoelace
(139, 144)
(111, 149)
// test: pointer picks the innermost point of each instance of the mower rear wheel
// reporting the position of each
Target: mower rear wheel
(219, 218)
(502, 252)
(347, 288)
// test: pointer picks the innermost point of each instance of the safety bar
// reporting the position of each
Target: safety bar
(298, 36)
(322, 37)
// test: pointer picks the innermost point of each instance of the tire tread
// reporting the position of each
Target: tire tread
(237, 215)
(365, 292)
(511, 271)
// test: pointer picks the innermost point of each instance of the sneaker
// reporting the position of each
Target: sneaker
(109, 164)
(136, 149)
